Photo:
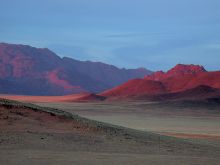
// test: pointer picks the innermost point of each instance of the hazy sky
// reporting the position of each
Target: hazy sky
(155, 34)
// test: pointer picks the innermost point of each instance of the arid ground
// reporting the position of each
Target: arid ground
(31, 134)
(180, 119)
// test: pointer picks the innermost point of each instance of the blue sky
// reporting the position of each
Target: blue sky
(155, 34)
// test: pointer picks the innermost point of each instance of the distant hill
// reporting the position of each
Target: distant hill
(182, 81)
(39, 71)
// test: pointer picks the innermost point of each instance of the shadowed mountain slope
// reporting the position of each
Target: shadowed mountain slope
(39, 71)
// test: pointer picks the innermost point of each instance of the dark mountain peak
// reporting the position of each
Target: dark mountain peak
(16, 50)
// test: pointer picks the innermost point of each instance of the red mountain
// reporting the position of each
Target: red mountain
(177, 71)
(135, 88)
(38, 71)
(178, 79)
(183, 77)
(199, 92)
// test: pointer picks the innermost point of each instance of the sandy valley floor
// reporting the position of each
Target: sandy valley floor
(36, 135)
(193, 122)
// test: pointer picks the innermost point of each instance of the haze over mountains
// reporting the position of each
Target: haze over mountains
(38, 71)
(26, 70)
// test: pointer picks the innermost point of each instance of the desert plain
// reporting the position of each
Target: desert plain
(134, 132)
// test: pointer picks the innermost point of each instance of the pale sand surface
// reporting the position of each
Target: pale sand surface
(200, 123)
(42, 157)
(35, 137)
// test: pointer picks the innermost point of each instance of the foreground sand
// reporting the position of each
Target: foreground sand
(180, 120)
(42, 157)
(35, 135)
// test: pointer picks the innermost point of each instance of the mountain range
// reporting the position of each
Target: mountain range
(182, 81)
(27, 70)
